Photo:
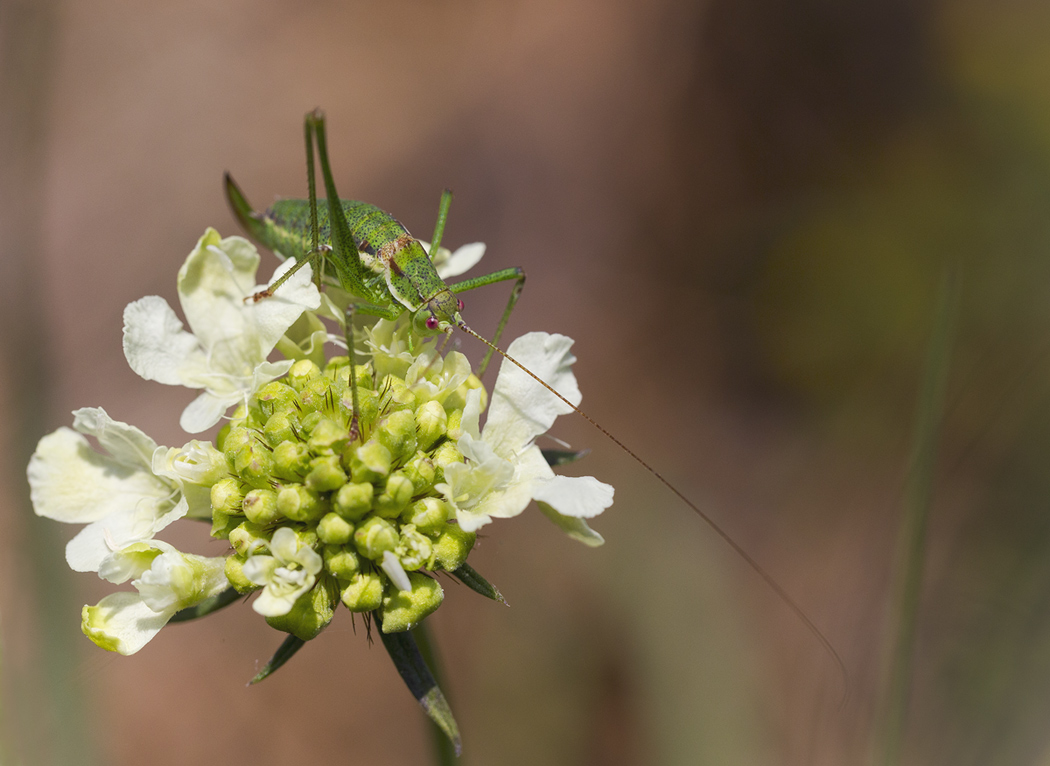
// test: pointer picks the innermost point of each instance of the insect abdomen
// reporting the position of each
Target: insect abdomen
(288, 226)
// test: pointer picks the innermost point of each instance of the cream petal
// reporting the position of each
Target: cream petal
(125, 443)
(581, 497)
(574, 527)
(521, 408)
(121, 622)
(205, 411)
(461, 260)
(155, 345)
(71, 482)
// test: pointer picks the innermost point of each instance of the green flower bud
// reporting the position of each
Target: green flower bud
(455, 420)
(341, 561)
(291, 460)
(234, 573)
(325, 474)
(446, 453)
(254, 464)
(301, 373)
(404, 610)
(333, 529)
(220, 438)
(299, 503)
(428, 515)
(370, 462)
(375, 535)
(281, 427)
(260, 506)
(415, 550)
(452, 547)
(226, 495)
(397, 432)
(396, 394)
(338, 369)
(318, 395)
(247, 538)
(353, 501)
(421, 472)
(276, 396)
(311, 612)
(364, 593)
(457, 400)
(310, 421)
(395, 497)
(235, 439)
(328, 437)
(433, 424)
(367, 403)
(224, 522)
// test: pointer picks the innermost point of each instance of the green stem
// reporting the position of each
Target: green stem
(444, 752)
(911, 544)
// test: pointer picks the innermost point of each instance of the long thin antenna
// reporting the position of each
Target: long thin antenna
(747, 557)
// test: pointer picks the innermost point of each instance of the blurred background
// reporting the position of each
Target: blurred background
(740, 209)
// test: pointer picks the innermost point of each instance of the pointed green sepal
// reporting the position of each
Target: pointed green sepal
(467, 575)
(207, 606)
(562, 456)
(284, 652)
(420, 681)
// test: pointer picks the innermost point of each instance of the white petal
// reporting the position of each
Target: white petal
(125, 443)
(274, 315)
(521, 408)
(213, 283)
(71, 482)
(89, 548)
(155, 345)
(205, 411)
(121, 622)
(463, 259)
(582, 497)
(392, 566)
(574, 527)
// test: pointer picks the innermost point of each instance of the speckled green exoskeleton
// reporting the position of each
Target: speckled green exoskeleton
(365, 250)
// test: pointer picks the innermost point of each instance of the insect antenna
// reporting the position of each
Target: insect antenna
(740, 551)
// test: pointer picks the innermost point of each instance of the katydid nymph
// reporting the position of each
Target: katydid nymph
(387, 272)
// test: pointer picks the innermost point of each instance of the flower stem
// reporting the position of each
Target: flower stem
(443, 749)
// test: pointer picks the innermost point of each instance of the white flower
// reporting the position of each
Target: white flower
(166, 580)
(287, 574)
(125, 494)
(504, 468)
(452, 264)
(226, 353)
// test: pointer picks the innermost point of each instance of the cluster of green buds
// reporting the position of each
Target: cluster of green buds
(362, 518)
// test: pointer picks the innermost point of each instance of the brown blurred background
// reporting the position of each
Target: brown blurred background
(740, 209)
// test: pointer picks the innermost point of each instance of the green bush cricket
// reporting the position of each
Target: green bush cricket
(373, 258)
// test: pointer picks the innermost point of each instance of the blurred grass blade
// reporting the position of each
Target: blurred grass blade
(911, 543)
(284, 652)
(207, 606)
(467, 575)
(420, 681)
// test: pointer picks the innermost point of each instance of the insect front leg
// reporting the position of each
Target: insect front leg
(503, 275)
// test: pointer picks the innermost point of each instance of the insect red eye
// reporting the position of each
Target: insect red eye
(432, 322)
(460, 303)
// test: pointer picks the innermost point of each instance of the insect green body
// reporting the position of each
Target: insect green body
(366, 250)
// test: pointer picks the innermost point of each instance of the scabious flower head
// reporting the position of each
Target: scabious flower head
(320, 508)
